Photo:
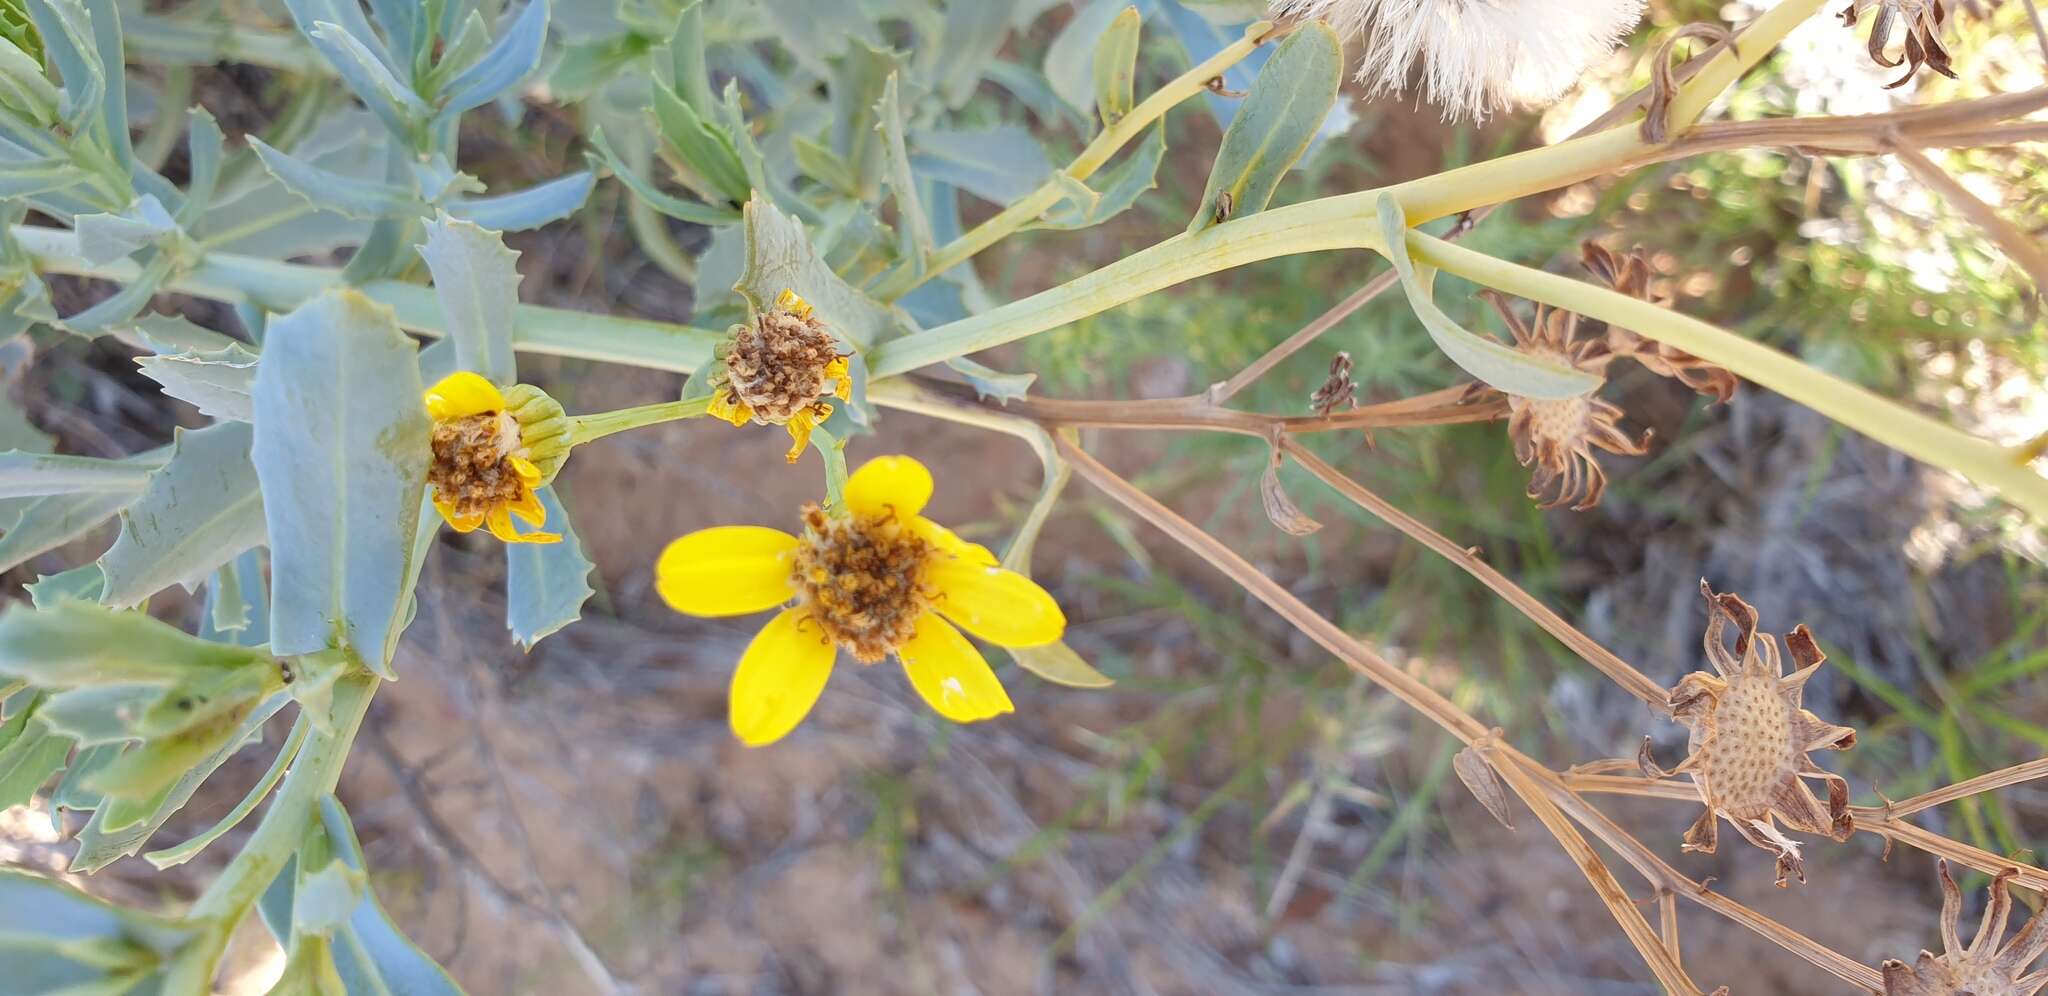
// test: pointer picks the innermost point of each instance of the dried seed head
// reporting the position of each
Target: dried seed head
(1989, 966)
(1338, 391)
(1630, 275)
(780, 365)
(472, 469)
(862, 579)
(1922, 46)
(1557, 438)
(1751, 736)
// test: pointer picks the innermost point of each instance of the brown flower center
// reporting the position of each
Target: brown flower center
(862, 580)
(777, 366)
(470, 470)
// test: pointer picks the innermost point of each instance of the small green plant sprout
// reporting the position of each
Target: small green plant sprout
(827, 178)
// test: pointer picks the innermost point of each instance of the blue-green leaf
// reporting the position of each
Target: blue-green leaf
(330, 191)
(1122, 185)
(779, 257)
(1070, 59)
(30, 752)
(217, 382)
(992, 383)
(104, 238)
(477, 281)
(968, 40)
(643, 188)
(198, 511)
(1489, 360)
(367, 75)
(515, 54)
(203, 148)
(704, 148)
(48, 523)
(1116, 66)
(67, 34)
(36, 912)
(546, 584)
(999, 164)
(530, 208)
(1286, 107)
(25, 474)
(341, 451)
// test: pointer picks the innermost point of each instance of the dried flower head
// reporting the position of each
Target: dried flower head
(873, 577)
(1751, 736)
(779, 370)
(1630, 275)
(1338, 391)
(1557, 438)
(1477, 56)
(1922, 46)
(490, 450)
(1990, 966)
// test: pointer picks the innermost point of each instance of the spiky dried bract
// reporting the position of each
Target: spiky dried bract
(1989, 966)
(1556, 439)
(1751, 736)
(780, 370)
(1630, 275)
(862, 578)
(1922, 45)
(1477, 56)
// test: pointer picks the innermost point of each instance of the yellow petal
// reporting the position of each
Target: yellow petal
(462, 394)
(1000, 606)
(889, 483)
(528, 471)
(499, 521)
(950, 543)
(728, 406)
(950, 674)
(800, 426)
(793, 303)
(779, 678)
(726, 571)
(460, 523)
(842, 381)
(529, 508)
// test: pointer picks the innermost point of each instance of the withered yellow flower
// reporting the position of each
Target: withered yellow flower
(1751, 736)
(485, 461)
(874, 578)
(778, 370)
(1989, 966)
(1557, 438)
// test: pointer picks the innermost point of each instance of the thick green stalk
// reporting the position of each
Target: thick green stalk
(1881, 419)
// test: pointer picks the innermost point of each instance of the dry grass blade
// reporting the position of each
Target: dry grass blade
(1483, 782)
(1988, 782)
(1630, 679)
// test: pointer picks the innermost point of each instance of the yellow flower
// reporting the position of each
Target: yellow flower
(777, 371)
(877, 578)
(483, 471)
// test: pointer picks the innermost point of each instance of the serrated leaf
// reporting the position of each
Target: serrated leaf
(80, 583)
(902, 183)
(48, 523)
(178, 334)
(515, 54)
(198, 511)
(106, 238)
(1489, 360)
(1059, 664)
(26, 474)
(341, 451)
(672, 206)
(330, 191)
(216, 382)
(999, 164)
(1116, 67)
(99, 846)
(1281, 115)
(66, 32)
(72, 644)
(203, 141)
(364, 73)
(703, 148)
(238, 603)
(30, 752)
(779, 257)
(546, 584)
(854, 87)
(476, 280)
(533, 207)
(1123, 184)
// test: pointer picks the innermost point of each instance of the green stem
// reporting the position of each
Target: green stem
(1881, 419)
(832, 450)
(314, 773)
(1099, 151)
(589, 427)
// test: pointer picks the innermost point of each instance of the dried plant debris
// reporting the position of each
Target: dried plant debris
(1989, 966)
(1556, 439)
(1751, 737)
(1630, 275)
(1664, 77)
(1921, 47)
(1339, 391)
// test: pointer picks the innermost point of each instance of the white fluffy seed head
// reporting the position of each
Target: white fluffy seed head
(1477, 56)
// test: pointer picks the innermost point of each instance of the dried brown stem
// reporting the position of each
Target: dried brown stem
(1631, 680)
(1988, 782)
(1444, 407)
(2020, 247)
